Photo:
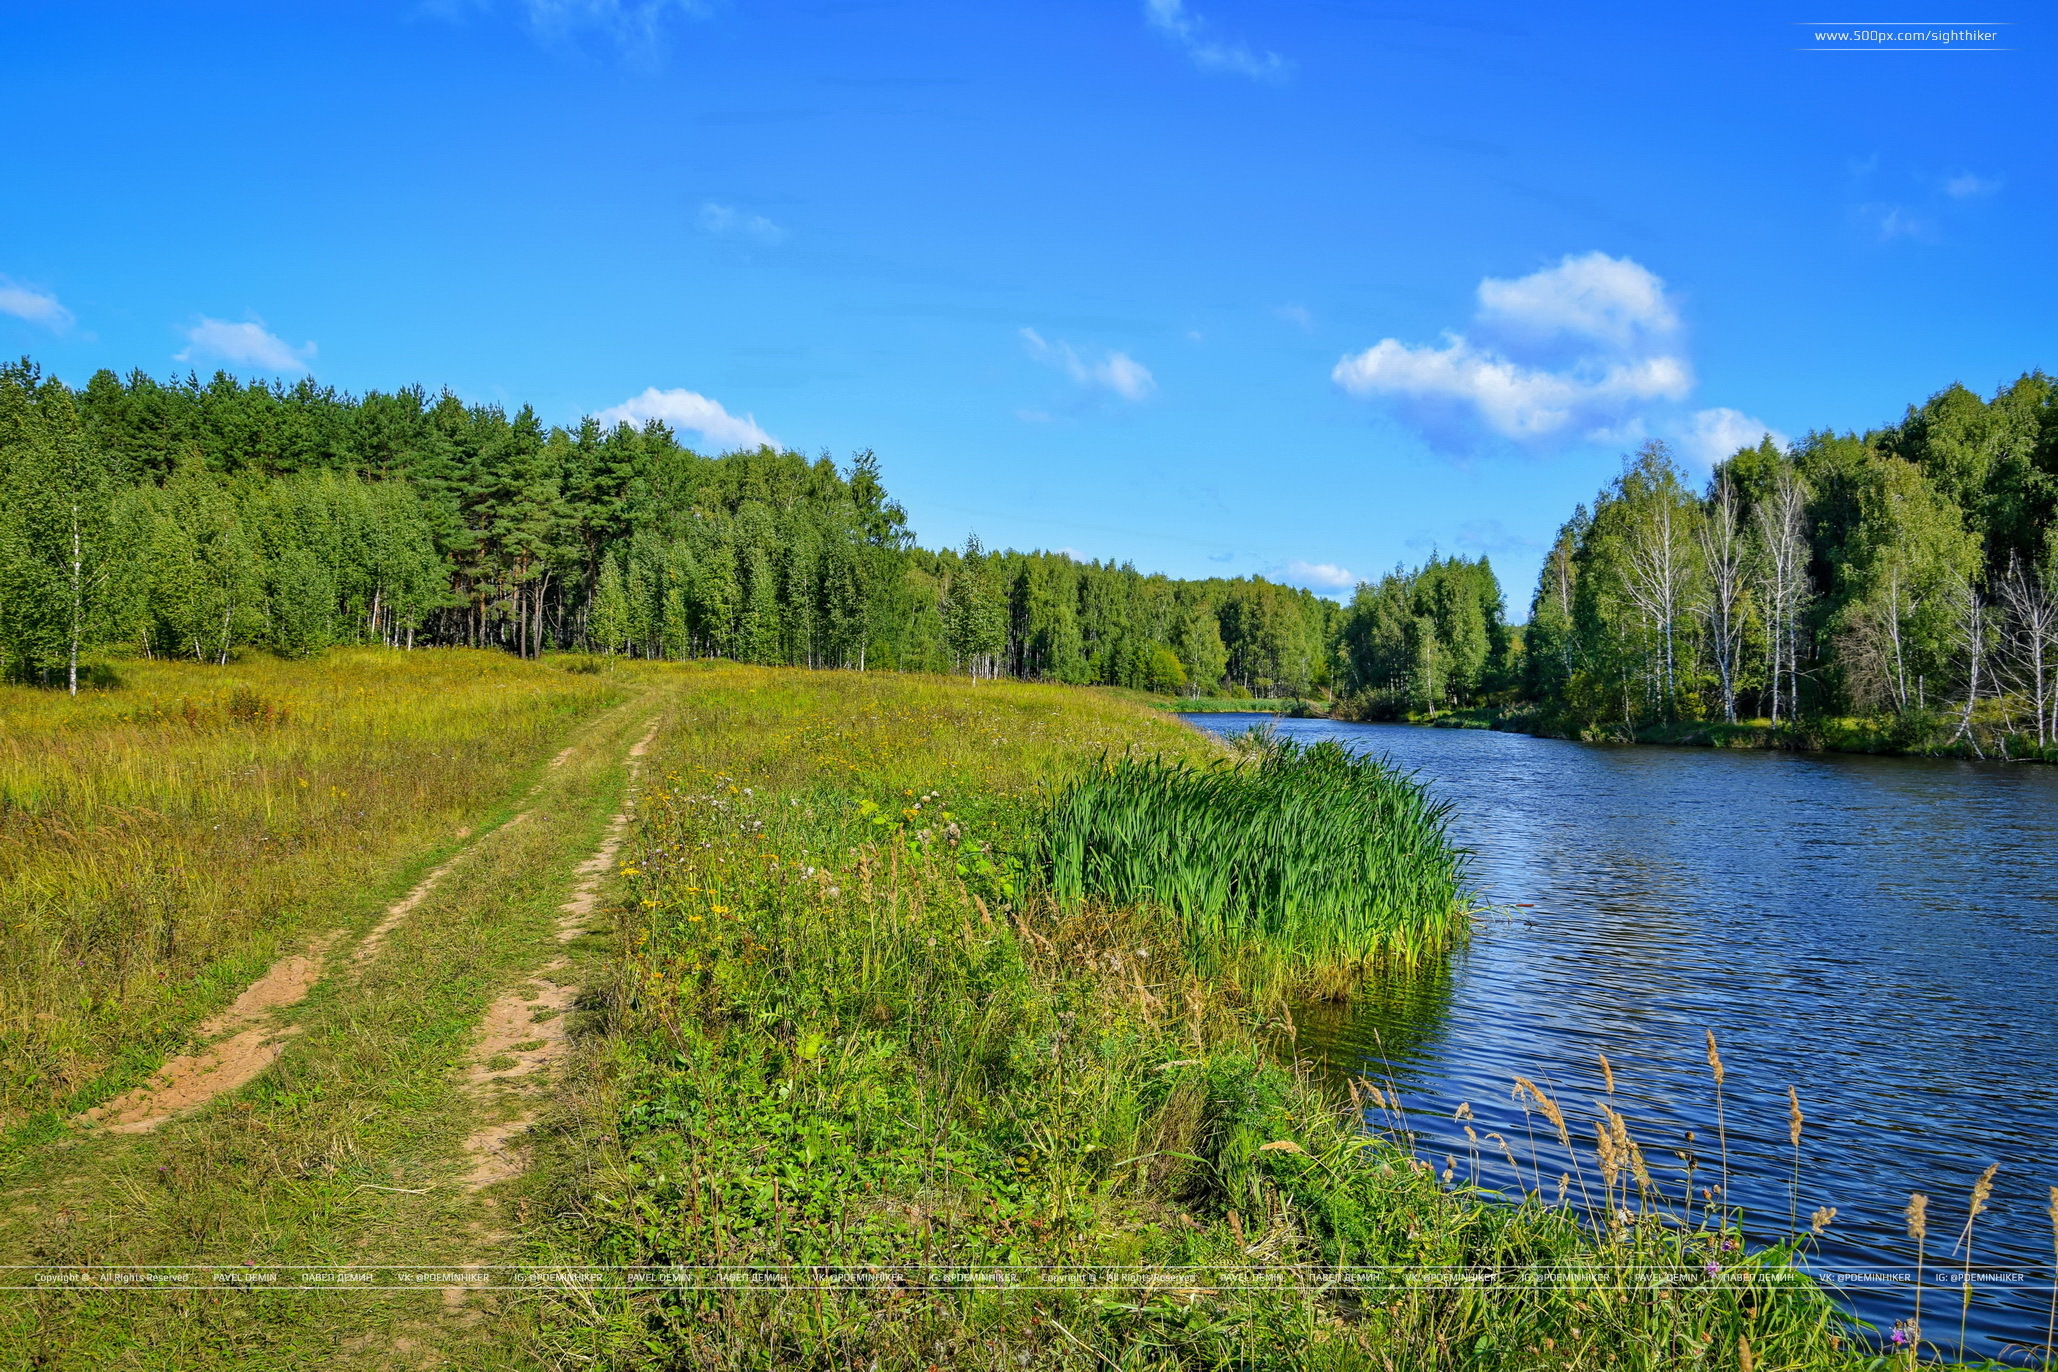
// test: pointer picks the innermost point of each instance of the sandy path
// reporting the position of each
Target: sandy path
(530, 1025)
(241, 1042)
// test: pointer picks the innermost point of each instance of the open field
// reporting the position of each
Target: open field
(162, 843)
(821, 1013)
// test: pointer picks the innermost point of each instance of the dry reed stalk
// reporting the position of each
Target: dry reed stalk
(1820, 1220)
(1721, 1134)
(1611, 1165)
(1918, 1230)
(1794, 1120)
(1745, 1361)
(1607, 1075)
(1509, 1153)
(1981, 1189)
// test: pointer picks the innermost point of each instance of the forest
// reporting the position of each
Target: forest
(1906, 576)
(191, 519)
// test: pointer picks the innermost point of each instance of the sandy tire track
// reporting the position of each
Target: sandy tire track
(531, 1024)
(238, 1044)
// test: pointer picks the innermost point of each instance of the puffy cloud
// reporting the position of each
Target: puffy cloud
(692, 411)
(1594, 297)
(1296, 315)
(1515, 401)
(1966, 186)
(1117, 371)
(1580, 348)
(1324, 577)
(1710, 436)
(37, 307)
(726, 221)
(1189, 32)
(248, 344)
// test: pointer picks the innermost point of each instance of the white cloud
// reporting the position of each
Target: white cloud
(1189, 31)
(692, 411)
(1323, 577)
(1711, 436)
(248, 344)
(1117, 371)
(1580, 348)
(726, 221)
(1608, 300)
(1966, 186)
(1515, 401)
(1296, 315)
(37, 307)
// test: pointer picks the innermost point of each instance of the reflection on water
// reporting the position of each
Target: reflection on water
(1881, 933)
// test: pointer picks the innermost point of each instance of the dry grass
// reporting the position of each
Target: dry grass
(163, 840)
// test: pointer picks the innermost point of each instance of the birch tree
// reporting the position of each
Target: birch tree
(1725, 554)
(2029, 607)
(1779, 523)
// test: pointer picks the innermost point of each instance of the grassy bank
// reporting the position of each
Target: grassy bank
(847, 1030)
(163, 839)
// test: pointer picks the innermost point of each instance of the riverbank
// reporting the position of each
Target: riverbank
(943, 1122)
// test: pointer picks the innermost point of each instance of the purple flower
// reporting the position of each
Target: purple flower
(1712, 1267)
(1898, 1337)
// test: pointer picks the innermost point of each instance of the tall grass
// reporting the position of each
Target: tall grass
(161, 839)
(1307, 852)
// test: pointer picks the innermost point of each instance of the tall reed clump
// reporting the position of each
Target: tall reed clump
(1309, 853)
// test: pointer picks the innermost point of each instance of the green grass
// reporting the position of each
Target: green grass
(845, 1030)
(350, 1148)
(162, 841)
(1310, 853)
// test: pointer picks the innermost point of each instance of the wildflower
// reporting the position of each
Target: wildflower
(1899, 1337)
(1711, 1267)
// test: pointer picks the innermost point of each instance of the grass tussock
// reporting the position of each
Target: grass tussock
(844, 1048)
(160, 841)
(1310, 854)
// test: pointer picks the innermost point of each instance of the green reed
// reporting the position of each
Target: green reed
(1310, 852)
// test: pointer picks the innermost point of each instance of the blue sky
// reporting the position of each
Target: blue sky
(1305, 288)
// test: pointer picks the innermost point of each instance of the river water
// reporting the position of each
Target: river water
(1879, 933)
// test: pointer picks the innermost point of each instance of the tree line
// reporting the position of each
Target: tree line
(1909, 573)
(198, 519)
(1906, 576)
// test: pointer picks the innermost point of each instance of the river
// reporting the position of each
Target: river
(1879, 933)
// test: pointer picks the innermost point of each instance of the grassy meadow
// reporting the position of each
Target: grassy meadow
(163, 839)
(850, 1026)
